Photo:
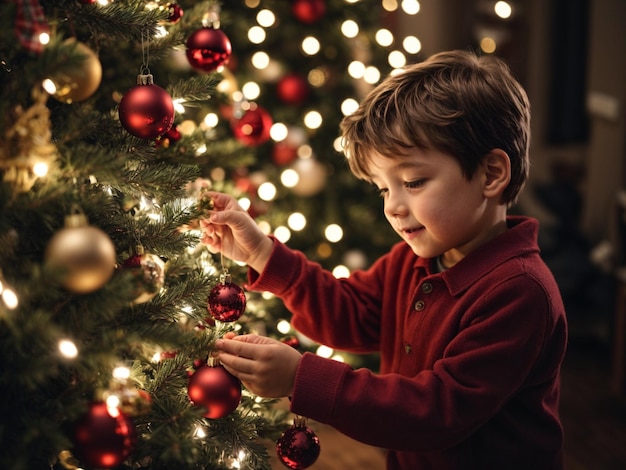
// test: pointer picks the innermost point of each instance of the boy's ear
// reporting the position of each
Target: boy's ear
(497, 172)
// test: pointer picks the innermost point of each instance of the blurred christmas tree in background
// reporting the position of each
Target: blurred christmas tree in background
(116, 117)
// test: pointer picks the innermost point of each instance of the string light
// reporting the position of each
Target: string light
(282, 234)
(68, 349)
(296, 221)
(333, 233)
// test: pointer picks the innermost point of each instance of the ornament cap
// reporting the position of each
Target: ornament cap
(77, 219)
(145, 79)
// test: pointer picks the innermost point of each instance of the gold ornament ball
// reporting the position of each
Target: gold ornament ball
(81, 82)
(83, 256)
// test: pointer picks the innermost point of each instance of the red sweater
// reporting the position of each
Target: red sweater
(470, 357)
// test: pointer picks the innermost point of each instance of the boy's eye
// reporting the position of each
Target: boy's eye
(381, 192)
(414, 184)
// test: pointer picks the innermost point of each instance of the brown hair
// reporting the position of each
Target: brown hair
(456, 102)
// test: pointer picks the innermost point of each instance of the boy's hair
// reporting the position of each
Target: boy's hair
(455, 102)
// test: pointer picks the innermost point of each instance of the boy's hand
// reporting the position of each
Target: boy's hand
(265, 366)
(232, 231)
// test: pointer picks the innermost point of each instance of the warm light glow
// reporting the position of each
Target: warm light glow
(324, 351)
(245, 203)
(338, 145)
(350, 29)
(296, 221)
(390, 5)
(349, 106)
(267, 191)
(200, 432)
(256, 35)
(488, 45)
(283, 327)
(251, 90)
(211, 120)
(412, 44)
(333, 233)
(44, 38)
(317, 77)
(282, 234)
(356, 69)
(49, 86)
(260, 60)
(40, 169)
(396, 59)
(313, 120)
(178, 105)
(410, 7)
(279, 132)
(310, 45)
(68, 349)
(384, 37)
(112, 401)
(289, 178)
(503, 9)
(9, 298)
(121, 373)
(341, 271)
(372, 75)
(266, 18)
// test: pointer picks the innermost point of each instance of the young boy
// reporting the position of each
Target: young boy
(468, 320)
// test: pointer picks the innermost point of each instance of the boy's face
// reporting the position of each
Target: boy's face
(433, 207)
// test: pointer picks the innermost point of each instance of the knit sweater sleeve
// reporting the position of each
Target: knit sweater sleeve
(340, 313)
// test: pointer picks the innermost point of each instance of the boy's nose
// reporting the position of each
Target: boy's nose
(395, 206)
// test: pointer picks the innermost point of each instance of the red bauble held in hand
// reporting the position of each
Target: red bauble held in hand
(208, 49)
(147, 110)
(214, 388)
(227, 301)
(298, 447)
(104, 437)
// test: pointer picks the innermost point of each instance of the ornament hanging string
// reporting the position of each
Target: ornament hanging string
(145, 77)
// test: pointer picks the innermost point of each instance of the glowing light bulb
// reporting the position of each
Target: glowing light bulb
(251, 90)
(333, 233)
(310, 45)
(412, 44)
(372, 75)
(296, 221)
(211, 120)
(384, 37)
(256, 35)
(121, 373)
(40, 169)
(324, 351)
(313, 120)
(410, 7)
(266, 18)
(279, 131)
(260, 60)
(396, 59)
(245, 203)
(350, 28)
(282, 233)
(267, 191)
(348, 106)
(68, 349)
(341, 271)
(503, 9)
(289, 178)
(283, 327)
(356, 69)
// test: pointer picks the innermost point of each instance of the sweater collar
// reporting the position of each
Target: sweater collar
(520, 238)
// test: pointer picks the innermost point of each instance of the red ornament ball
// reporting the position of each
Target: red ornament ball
(253, 127)
(147, 111)
(298, 447)
(227, 302)
(308, 11)
(169, 138)
(215, 389)
(103, 437)
(175, 12)
(208, 49)
(292, 89)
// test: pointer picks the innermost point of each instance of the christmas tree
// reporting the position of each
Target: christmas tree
(116, 117)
